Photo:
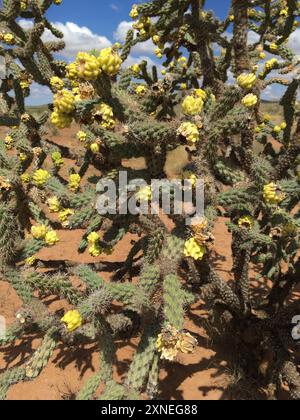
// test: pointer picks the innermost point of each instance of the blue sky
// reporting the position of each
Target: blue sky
(103, 16)
(89, 24)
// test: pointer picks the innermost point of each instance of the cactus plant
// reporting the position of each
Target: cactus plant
(141, 112)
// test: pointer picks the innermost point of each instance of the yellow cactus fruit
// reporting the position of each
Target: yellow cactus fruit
(192, 106)
(56, 83)
(277, 129)
(200, 93)
(284, 12)
(104, 113)
(246, 222)
(40, 177)
(95, 148)
(272, 194)
(9, 39)
(9, 141)
(95, 250)
(64, 102)
(53, 204)
(61, 120)
(134, 13)
(194, 250)
(156, 39)
(74, 182)
(57, 159)
(270, 64)
(64, 215)
(159, 53)
(246, 80)
(136, 69)
(30, 260)
(250, 100)
(189, 131)
(87, 66)
(39, 232)
(273, 47)
(72, 320)
(93, 238)
(51, 238)
(283, 126)
(25, 178)
(109, 61)
(81, 136)
(141, 90)
(72, 71)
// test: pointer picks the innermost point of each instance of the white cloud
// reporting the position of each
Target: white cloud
(142, 48)
(294, 42)
(114, 7)
(253, 37)
(77, 38)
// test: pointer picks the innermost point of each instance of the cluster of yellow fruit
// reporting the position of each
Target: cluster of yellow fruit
(42, 232)
(270, 65)
(57, 159)
(74, 182)
(40, 177)
(141, 90)
(171, 342)
(25, 80)
(94, 247)
(72, 320)
(109, 61)
(9, 141)
(8, 38)
(54, 204)
(81, 136)
(189, 131)
(193, 249)
(143, 26)
(104, 113)
(64, 214)
(86, 68)
(135, 68)
(191, 177)
(246, 222)
(193, 104)
(250, 100)
(247, 80)
(273, 47)
(273, 194)
(278, 128)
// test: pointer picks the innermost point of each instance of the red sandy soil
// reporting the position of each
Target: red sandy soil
(200, 376)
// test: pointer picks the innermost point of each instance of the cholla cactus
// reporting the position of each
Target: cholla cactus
(125, 113)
